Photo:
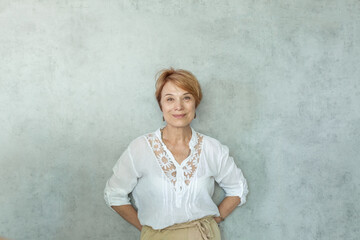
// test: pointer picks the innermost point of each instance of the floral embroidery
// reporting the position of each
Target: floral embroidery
(168, 166)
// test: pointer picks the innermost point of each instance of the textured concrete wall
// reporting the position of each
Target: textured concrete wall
(281, 89)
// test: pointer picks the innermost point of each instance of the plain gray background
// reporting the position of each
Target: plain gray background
(281, 89)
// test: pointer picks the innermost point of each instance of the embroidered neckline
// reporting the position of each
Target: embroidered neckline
(180, 175)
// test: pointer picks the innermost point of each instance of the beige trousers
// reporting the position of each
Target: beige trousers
(204, 228)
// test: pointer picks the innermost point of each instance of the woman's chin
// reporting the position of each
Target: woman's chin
(178, 124)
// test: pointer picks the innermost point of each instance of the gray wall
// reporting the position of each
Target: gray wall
(281, 89)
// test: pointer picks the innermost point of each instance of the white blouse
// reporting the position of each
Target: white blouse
(166, 192)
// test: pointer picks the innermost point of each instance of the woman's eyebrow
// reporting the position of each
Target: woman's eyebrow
(170, 94)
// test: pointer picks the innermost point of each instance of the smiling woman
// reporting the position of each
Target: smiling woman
(171, 172)
(177, 105)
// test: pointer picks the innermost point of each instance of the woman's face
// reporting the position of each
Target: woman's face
(178, 105)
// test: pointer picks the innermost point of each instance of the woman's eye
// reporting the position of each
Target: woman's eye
(187, 98)
(169, 99)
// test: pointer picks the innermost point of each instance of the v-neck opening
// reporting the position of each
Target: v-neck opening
(171, 154)
(180, 175)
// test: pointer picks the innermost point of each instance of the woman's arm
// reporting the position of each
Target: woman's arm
(227, 206)
(129, 213)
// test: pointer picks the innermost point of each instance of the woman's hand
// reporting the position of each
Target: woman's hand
(226, 207)
(217, 219)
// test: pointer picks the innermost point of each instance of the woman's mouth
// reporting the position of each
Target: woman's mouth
(178, 115)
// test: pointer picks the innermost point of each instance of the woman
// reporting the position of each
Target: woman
(171, 171)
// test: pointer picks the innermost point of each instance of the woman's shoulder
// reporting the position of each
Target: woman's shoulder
(142, 139)
(211, 142)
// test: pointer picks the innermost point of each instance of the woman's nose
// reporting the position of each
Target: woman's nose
(178, 105)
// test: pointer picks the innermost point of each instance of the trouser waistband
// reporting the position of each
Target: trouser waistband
(203, 224)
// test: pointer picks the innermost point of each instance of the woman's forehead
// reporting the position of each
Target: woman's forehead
(173, 89)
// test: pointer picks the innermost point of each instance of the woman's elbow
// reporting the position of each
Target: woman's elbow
(235, 199)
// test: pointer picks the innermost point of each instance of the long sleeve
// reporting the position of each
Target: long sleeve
(122, 182)
(230, 177)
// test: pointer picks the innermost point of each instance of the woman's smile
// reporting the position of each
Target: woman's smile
(178, 116)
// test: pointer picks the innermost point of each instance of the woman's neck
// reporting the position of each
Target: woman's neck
(176, 135)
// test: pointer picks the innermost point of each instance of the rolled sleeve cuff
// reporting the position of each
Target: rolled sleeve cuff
(113, 198)
(240, 192)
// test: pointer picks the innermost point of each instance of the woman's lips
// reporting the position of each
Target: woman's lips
(178, 115)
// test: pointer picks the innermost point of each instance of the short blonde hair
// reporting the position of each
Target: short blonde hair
(181, 78)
